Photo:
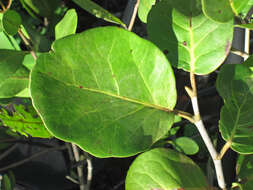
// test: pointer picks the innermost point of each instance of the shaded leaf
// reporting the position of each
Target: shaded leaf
(11, 22)
(164, 169)
(14, 77)
(189, 39)
(218, 10)
(107, 90)
(144, 8)
(186, 145)
(67, 25)
(6, 183)
(234, 84)
(245, 171)
(98, 11)
(45, 8)
(24, 122)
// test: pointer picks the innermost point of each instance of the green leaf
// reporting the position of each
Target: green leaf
(144, 8)
(11, 22)
(249, 26)
(25, 122)
(234, 84)
(186, 145)
(218, 10)
(45, 8)
(164, 169)
(67, 25)
(8, 42)
(6, 183)
(245, 174)
(107, 90)
(239, 5)
(189, 39)
(1, 23)
(98, 11)
(14, 77)
(29, 61)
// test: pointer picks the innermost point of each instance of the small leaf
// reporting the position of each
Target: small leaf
(98, 11)
(8, 42)
(218, 10)
(6, 183)
(164, 169)
(234, 84)
(11, 22)
(245, 171)
(186, 145)
(67, 25)
(239, 5)
(25, 122)
(14, 77)
(1, 23)
(105, 89)
(144, 8)
(189, 39)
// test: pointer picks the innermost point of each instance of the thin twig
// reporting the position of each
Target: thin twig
(79, 168)
(27, 43)
(7, 152)
(5, 8)
(240, 53)
(224, 149)
(31, 157)
(202, 130)
(89, 171)
(131, 24)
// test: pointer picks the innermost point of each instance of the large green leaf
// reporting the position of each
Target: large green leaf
(164, 169)
(190, 40)
(14, 77)
(107, 90)
(25, 122)
(98, 11)
(144, 8)
(67, 25)
(235, 85)
(218, 10)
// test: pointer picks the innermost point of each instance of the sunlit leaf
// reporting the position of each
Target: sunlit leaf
(67, 25)
(164, 169)
(144, 8)
(189, 39)
(186, 145)
(107, 90)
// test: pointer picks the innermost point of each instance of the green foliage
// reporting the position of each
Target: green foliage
(218, 10)
(190, 40)
(98, 11)
(11, 22)
(116, 120)
(25, 122)
(144, 8)
(245, 171)
(235, 85)
(164, 169)
(186, 145)
(14, 76)
(67, 25)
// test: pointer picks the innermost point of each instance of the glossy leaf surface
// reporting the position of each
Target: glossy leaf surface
(144, 8)
(218, 10)
(98, 11)
(235, 85)
(189, 39)
(24, 122)
(107, 90)
(164, 169)
(67, 25)
(186, 145)
(14, 77)
(11, 22)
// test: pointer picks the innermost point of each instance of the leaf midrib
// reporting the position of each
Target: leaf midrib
(154, 106)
